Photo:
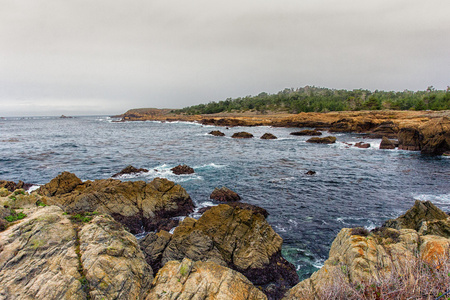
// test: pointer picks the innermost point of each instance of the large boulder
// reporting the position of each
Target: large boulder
(362, 145)
(233, 237)
(409, 139)
(47, 256)
(201, 280)
(217, 133)
(387, 143)
(324, 140)
(182, 170)
(224, 194)
(268, 136)
(138, 205)
(413, 218)
(436, 136)
(242, 135)
(129, 171)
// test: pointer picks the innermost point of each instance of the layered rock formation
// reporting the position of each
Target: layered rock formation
(228, 236)
(137, 205)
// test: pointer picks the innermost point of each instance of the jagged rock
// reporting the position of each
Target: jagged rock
(201, 280)
(362, 145)
(182, 169)
(46, 256)
(324, 140)
(436, 136)
(413, 218)
(242, 135)
(386, 143)
(12, 186)
(113, 264)
(233, 237)
(153, 246)
(224, 194)
(268, 136)
(130, 170)
(217, 133)
(311, 172)
(307, 132)
(436, 227)
(386, 129)
(409, 139)
(138, 205)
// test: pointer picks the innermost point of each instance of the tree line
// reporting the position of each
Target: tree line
(318, 99)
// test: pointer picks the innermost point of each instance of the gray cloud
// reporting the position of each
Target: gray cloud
(107, 56)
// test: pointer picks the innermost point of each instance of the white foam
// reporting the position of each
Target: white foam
(210, 165)
(436, 199)
(33, 188)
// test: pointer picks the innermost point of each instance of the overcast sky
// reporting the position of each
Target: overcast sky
(105, 57)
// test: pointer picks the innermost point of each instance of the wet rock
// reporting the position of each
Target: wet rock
(138, 205)
(268, 136)
(130, 170)
(242, 135)
(311, 172)
(12, 186)
(362, 145)
(224, 194)
(436, 136)
(324, 140)
(386, 143)
(237, 238)
(413, 218)
(409, 139)
(182, 169)
(201, 280)
(217, 133)
(307, 132)
(65, 117)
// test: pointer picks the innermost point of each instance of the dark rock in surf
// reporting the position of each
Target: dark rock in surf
(217, 133)
(224, 194)
(268, 136)
(311, 172)
(242, 135)
(387, 143)
(362, 145)
(324, 140)
(307, 132)
(130, 170)
(182, 169)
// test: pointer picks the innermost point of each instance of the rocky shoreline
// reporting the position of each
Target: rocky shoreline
(73, 240)
(425, 131)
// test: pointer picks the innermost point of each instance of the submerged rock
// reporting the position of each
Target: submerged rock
(268, 136)
(242, 135)
(307, 132)
(201, 280)
(130, 170)
(387, 143)
(217, 133)
(224, 194)
(324, 140)
(311, 172)
(182, 169)
(362, 145)
(138, 205)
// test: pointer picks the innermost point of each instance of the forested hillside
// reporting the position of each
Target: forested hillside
(317, 99)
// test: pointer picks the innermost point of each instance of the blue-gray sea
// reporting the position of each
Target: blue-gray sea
(352, 186)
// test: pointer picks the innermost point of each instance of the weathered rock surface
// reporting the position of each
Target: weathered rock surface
(409, 139)
(385, 129)
(352, 125)
(47, 256)
(182, 169)
(12, 186)
(268, 136)
(242, 135)
(324, 140)
(201, 280)
(224, 194)
(217, 133)
(130, 170)
(386, 143)
(233, 237)
(413, 218)
(255, 209)
(362, 145)
(136, 204)
(363, 257)
(307, 132)
(436, 136)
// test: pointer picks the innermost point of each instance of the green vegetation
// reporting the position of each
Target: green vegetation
(15, 216)
(40, 203)
(317, 99)
(83, 217)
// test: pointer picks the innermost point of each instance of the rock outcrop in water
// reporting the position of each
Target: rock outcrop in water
(324, 140)
(359, 257)
(182, 170)
(137, 205)
(228, 236)
(387, 143)
(268, 136)
(216, 133)
(242, 135)
(129, 171)
(307, 132)
(224, 194)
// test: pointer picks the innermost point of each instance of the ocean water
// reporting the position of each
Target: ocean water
(352, 186)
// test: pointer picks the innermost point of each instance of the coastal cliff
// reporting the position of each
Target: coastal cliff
(72, 247)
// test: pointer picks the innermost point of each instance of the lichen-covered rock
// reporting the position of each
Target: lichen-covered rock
(237, 238)
(224, 194)
(413, 218)
(182, 169)
(201, 280)
(386, 143)
(138, 205)
(130, 170)
(242, 135)
(324, 140)
(268, 136)
(113, 264)
(38, 258)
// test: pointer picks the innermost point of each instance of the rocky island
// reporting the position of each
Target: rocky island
(73, 240)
